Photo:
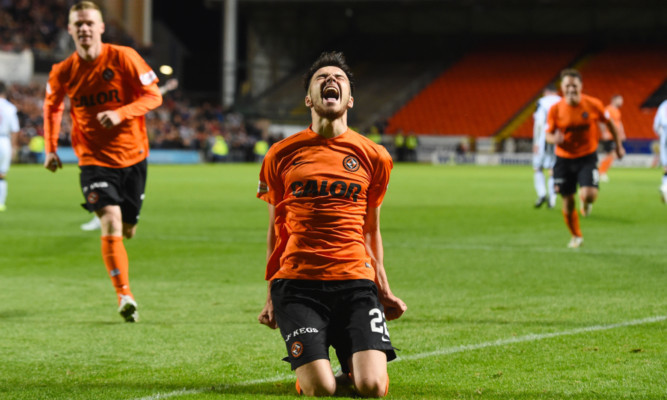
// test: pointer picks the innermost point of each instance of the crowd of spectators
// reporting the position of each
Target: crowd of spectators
(41, 25)
(177, 124)
(33, 24)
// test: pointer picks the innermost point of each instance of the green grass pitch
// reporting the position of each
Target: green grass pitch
(499, 308)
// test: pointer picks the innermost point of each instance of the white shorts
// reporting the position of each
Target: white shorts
(5, 154)
(544, 160)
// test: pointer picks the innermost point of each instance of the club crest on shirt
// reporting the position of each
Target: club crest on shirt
(351, 163)
(584, 115)
(108, 74)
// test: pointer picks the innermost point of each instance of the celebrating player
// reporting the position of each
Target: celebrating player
(543, 152)
(660, 128)
(572, 126)
(607, 143)
(9, 125)
(110, 88)
(327, 282)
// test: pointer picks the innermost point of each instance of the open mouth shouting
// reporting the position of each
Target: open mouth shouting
(330, 94)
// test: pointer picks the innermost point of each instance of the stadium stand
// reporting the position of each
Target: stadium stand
(483, 91)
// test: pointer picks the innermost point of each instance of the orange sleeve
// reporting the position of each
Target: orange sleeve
(53, 110)
(551, 119)
(143, 81)
(599, 108)
(271, 189)
(378, 186)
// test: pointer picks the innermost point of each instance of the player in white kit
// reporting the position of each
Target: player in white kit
(9, 124)
(543, 152)
(660, 128)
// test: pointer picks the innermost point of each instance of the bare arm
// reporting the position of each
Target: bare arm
(393, 306)
(266, 316)
(620, 150)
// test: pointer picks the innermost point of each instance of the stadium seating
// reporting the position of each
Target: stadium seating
(483, 91)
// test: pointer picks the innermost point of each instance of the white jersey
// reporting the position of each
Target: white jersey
(9, 123)
(540, 119)
(544, 157)
(660, 121)
(9, 120)
(660, 128)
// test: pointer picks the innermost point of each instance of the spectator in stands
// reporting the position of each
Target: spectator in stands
(543, 152)
(399, 145)
(607, 142)
(572, 127)
(411, 144)
(374, 135)
(660, 128)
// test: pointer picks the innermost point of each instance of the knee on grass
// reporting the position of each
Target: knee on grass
(371, 386)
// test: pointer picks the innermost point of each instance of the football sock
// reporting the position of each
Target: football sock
(539, 184)
(572, 222)
(606, 164)
(3, 191)
(115, 259)
(664, 179)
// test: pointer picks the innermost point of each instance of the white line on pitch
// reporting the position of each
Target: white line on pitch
(441, 352)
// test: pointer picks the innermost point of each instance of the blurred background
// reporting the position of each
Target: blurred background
(452, 81)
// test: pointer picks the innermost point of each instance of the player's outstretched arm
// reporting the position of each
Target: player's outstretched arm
(394, 307)
(52, 162)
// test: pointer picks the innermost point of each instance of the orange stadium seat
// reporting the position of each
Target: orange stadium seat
(479, 94)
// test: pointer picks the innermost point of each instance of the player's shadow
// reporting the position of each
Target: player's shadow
(285, 388)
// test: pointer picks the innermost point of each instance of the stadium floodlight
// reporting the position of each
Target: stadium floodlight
(166, 70)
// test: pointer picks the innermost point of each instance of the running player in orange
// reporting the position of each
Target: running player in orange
(607, 143)
(327, 282)
(572, 126)
(110, 89)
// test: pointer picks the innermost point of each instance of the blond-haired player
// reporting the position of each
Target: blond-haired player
(110, 89)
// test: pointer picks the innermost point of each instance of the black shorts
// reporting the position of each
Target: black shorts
(102, 186)
(570, 171)
(313, 315)
(607, 145)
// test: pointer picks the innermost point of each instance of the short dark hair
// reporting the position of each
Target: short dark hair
(551, 88)
(3, 88)
(329, 59)
(571, 72)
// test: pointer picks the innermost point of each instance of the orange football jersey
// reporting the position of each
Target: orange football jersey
(614, 114)
(118, 79)
(321, 189)
(579, 124)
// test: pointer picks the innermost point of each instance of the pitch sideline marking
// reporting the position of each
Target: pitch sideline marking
(451, 350)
